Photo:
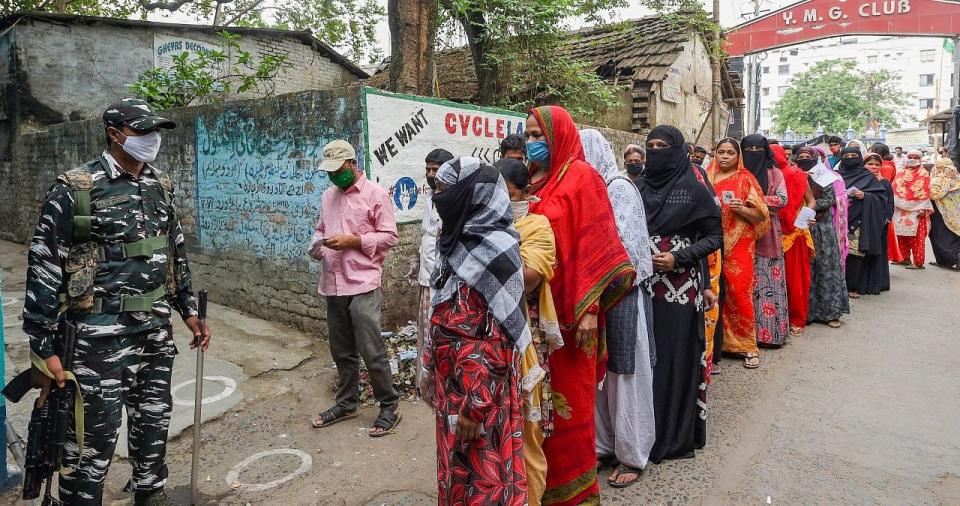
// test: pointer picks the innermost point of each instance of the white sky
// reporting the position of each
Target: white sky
(730, 11)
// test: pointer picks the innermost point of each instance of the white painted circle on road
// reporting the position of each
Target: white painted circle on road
(229, 387)
(233, 477)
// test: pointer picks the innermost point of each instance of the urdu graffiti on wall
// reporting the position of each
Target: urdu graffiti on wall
(401, 129)
(258, 182)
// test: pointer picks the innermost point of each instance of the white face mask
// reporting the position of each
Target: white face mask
(143, 148)
(521, 208)
(912, 163)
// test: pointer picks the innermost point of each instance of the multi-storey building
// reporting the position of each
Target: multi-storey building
(924, 66)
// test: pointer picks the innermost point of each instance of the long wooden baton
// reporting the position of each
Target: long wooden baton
(197, 404)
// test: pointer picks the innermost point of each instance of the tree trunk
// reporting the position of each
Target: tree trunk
(475, 28)
(413, 31)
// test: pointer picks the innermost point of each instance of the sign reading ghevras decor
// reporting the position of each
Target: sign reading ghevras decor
(165, 47)
(401, 129)
(817, 19)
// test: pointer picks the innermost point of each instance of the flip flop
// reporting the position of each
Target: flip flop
(624, 469)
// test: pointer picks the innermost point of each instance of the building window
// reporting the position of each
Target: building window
(951, 79)
(783, 69)
(872, 59)
(782, 90)
(766, 92)
(926, 103)
(926, 79)
(928, 55)
(766, 70)
(794, 52)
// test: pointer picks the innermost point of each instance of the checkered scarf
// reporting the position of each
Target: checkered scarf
(486, 252)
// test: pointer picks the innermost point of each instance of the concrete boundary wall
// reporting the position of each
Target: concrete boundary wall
(247, 192)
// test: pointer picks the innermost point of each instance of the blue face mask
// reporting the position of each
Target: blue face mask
(537, 152)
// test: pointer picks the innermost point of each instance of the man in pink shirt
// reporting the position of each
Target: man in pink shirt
(356, 229)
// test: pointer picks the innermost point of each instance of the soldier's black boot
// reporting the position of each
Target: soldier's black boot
(154, 498)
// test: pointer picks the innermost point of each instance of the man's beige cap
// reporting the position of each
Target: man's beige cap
(335, 153)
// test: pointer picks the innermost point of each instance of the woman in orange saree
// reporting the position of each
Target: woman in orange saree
(588, 280)
(745, 219)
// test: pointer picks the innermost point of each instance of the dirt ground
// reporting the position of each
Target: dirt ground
(864, 414)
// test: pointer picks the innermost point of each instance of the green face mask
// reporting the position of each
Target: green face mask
(344, 178)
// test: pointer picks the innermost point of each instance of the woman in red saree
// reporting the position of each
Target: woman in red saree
(797, 242)
(589, 279)
(745, 219)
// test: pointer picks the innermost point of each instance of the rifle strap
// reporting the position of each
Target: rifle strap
(77, 402)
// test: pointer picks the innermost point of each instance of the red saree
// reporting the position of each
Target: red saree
(797, 242)
(739, 244)
(593, 272)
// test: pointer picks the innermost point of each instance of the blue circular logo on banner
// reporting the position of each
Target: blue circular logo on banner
(405, 193)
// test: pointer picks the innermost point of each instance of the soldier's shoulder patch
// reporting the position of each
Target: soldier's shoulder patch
(78, 179)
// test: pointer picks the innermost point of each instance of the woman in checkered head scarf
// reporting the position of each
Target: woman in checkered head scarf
(478, 332)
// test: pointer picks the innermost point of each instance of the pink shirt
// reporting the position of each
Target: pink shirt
(365, 210)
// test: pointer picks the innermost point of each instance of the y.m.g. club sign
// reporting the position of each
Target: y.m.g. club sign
(817, 19)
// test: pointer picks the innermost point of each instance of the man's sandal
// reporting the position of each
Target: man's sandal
(751, 360)
(332, 416)
(624, 469)
(387, 422)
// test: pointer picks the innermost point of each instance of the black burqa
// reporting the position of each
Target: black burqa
(867, 221)
(684, 219)
(758, 162)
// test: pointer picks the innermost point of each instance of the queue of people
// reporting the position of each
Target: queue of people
(573, 311)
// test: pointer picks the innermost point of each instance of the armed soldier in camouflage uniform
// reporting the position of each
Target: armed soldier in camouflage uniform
(108, 254)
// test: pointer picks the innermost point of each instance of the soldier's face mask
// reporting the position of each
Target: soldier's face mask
(143, 148)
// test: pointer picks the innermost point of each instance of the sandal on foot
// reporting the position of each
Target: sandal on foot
(853, 295)
(834, 324)
(914, 267)
(604, 461)
(331, 416)
(387, 422)
(715, 370)
(751, 360)
(624, 469)
(796, 331)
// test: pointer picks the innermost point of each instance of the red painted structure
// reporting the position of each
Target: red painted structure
(809, 20)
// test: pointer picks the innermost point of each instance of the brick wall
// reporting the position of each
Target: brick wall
(72, 71)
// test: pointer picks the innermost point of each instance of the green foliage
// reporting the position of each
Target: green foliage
(114, 8)
(523, 62)
(208, 76)
(347, 25)
(835, 95)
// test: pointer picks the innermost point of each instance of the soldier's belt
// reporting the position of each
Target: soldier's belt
(128, 303)
(142, 248)
(124, 303)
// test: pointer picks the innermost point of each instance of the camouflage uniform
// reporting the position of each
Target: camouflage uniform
(123, 358)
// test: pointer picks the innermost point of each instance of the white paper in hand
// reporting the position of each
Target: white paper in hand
(852, 190)
(823, 176)
(803, 217)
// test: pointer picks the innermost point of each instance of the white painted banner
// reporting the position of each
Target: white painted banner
(165, 47)
(401, 129)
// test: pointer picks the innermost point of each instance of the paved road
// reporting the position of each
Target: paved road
(865, 414)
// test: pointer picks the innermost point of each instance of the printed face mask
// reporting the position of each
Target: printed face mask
(520, 208)
(343, 178)
(635, 169)
(537, 152)
(143, 148)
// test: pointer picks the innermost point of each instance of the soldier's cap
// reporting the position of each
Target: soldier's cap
(335, 153)
(136, 114)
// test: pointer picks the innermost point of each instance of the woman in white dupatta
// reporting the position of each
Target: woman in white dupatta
(624, 411)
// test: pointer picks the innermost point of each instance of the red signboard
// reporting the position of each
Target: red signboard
(818, 19)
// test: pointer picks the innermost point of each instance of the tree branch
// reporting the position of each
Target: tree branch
(166, 6)
(243, 12)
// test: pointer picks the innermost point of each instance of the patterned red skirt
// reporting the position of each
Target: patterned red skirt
(476, 376)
